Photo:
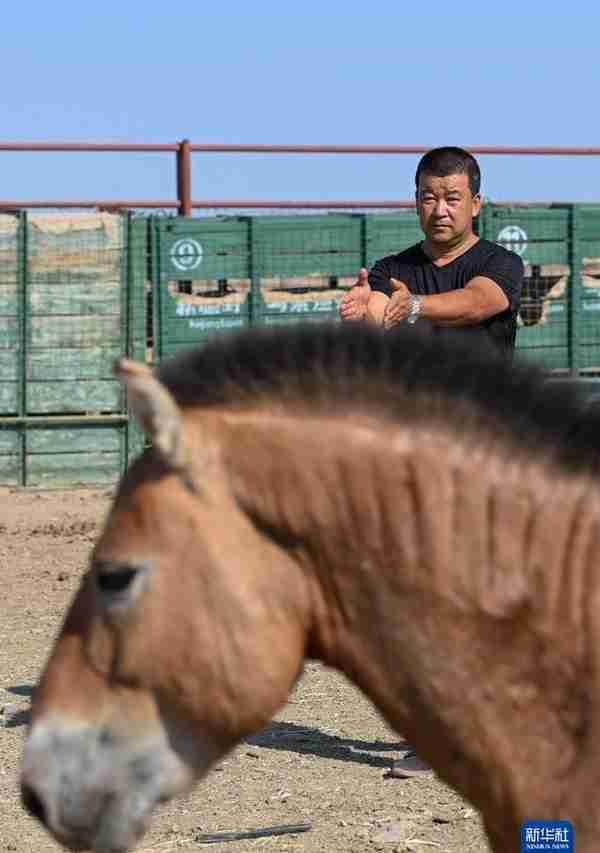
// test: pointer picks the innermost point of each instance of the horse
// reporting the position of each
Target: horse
(421, 515)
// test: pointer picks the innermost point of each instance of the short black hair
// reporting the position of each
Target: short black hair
(448, 160)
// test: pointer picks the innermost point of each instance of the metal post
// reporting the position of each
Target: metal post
(23, 308)
(255, 298)
(364, 259)
(184, 178)
(157, 292)
(574, 294)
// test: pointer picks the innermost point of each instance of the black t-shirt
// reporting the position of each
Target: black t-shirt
(424, 278)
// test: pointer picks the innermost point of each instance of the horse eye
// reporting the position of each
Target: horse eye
(114, 581)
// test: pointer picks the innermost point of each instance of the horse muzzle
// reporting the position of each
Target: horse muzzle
(96, 790)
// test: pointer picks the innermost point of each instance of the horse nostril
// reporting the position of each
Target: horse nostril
(33, 804)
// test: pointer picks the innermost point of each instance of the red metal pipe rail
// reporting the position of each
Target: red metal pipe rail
(244, 204)
(392, 149)
(184, 150)
(207, 205)
(554, 151)
(86, 146)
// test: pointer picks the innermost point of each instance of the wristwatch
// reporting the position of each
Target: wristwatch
(414, 309)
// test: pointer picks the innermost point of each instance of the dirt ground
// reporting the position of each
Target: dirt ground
(322, 760)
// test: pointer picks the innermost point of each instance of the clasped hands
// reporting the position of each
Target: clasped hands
(353, 306)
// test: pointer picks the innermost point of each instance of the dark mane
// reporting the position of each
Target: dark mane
(400, 375)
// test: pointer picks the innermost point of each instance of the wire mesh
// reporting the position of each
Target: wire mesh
(222, 272)
(303, 265)
(78, 290)
(71, 301)
(9, 314)
(75, 310)
(587, 255)
(9, 345)
(542, 238)
(200, 279)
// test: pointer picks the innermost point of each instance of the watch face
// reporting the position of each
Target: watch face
(413, 312)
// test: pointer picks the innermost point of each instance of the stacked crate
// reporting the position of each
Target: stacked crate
(71, 305)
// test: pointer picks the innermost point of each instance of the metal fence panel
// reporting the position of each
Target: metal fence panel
(542, 238)
(75, 293)
(77, 454)
(200, 279)
(302, 266)
(587, 253)
(10, 314)
(79, 285)
(75, 325)
(389, 233)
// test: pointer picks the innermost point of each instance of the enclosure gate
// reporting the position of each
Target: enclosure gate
(210, 275)
(74, 291)
(71, 301)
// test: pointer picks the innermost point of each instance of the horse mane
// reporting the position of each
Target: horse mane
(400, 375)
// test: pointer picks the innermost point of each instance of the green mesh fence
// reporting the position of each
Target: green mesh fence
(586, 254)
(216, 274)
(78, 290)
(560, 247)
(388, 233)
(201, 280)
(302, 265)
(73, 300)
(75, 308)
(10, 319)
(10, 315)
(541, 236)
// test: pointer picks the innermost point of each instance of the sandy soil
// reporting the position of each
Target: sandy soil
(321, 761)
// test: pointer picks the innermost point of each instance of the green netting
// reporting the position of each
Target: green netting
(10, 315)
(78, 290)
(559, 323)
(71, 301)
(303, 265)
(75, 313)
(587, 256)
(215, 274)
(541, 236)
(10, 318)
(388, 233)
(201, 280)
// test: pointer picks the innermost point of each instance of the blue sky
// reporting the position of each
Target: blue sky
(329, 72)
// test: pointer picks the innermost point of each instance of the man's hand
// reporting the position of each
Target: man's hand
(397, 308)
(354, 304)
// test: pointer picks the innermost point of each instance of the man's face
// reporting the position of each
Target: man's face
(446, 207)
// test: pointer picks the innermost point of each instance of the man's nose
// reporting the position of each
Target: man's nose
(441, 208)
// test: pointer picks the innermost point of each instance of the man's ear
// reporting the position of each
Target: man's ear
(477, 203)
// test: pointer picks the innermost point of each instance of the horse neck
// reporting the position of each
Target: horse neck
(388, 521)
(314, 486)
(434, 579)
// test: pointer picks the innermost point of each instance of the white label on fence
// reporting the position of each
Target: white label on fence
(184, 309)
(186, 254)
(513, 238)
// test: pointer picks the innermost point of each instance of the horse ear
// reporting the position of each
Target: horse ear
(154, 409)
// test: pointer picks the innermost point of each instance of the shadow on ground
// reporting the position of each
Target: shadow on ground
(305, 740)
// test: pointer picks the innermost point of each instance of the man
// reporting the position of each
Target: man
(452, 281)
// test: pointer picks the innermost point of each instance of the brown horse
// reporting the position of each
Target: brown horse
(420, 516)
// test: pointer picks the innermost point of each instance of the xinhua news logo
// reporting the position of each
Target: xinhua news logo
(547, 835)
